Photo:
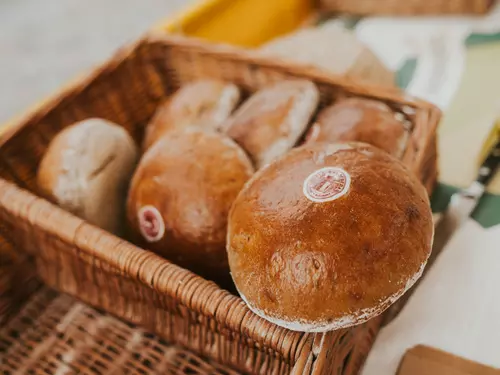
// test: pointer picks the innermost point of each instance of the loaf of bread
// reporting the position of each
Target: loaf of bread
(332, 48)
(180, 197)
(87, 169)
(206, 103)
(328, 236)
(361, 120)
(273, 119)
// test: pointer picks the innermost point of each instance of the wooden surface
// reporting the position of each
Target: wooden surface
(430, 361)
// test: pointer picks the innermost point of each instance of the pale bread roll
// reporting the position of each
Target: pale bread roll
(86, 170)
(332, 48)
(273, 119)
(206, 103)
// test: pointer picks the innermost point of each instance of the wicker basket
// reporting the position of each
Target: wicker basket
(56, 334)
(109, 273)
(407, 7)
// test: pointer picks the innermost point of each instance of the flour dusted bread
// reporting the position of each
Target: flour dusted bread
(361, 120)
(328, 236)
(206, 103)
(86, 170)
(180, 197)
(273, 119)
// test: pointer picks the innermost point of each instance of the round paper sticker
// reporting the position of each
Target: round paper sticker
(151, 223)
(326, 184)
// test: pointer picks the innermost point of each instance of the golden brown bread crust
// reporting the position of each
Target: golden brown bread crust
(317, 266)
(361, 120)
(206, 103)
(273, 119)
(86, 170)
(191, 177)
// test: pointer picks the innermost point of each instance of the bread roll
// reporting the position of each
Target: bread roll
(86, 170)
(206, 103)
(180, 198)
(361, 120)
(272, 120)
(331, 48)
(328, 236)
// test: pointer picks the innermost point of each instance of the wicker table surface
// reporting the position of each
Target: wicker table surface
(56, 334)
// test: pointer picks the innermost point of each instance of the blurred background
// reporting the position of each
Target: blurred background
(43, 44)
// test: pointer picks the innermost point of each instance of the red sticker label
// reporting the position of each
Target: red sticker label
(326, 184)
(151, 223)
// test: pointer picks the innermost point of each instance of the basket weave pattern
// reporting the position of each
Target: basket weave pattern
(136, 285)
(55, 334)
(407, 7)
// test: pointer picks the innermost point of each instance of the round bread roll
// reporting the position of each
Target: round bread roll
(180, 197)
(87, 169)
(361, 120)
(273, 119)
(328, 236)
(206, 103)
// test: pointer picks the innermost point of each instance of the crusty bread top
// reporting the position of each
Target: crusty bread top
(190, 177)
(328, 236)
(361, 120)
(273, 119)
(206, 103)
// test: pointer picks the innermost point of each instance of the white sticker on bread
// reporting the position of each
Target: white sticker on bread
(151, 223)
(326, 184)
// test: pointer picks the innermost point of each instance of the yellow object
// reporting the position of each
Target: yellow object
(246, 23)
(490, 141)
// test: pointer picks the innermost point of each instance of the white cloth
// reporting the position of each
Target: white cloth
(456, 308)
(437, 43)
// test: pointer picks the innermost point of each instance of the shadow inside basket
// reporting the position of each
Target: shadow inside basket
(39, 240)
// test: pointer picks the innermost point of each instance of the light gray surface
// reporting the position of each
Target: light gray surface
(45, 43)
